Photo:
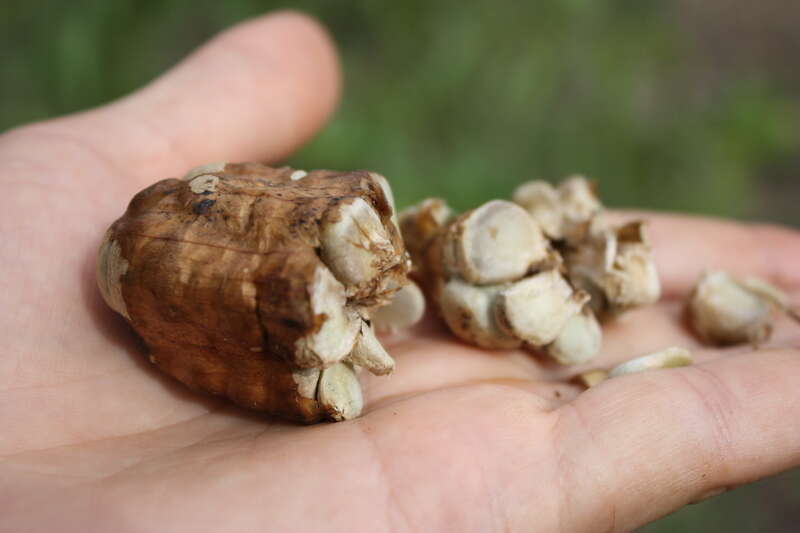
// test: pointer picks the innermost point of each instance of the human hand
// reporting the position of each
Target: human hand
(458, 439)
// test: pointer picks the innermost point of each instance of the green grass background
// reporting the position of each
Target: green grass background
(680, 105)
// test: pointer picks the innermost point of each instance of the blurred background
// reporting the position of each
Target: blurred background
(681, 105)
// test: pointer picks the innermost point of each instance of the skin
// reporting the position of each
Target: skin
(457, 439)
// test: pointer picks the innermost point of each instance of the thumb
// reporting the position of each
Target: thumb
(255, 92)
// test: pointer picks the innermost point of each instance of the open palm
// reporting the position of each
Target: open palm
(458, 439)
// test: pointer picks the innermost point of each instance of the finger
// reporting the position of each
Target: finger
(256, 91)
(638, 447)
(686, 246)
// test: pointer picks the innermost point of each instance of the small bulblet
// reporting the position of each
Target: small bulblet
(725, 310)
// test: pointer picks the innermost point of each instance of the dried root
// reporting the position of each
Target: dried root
(495, 243)
(564, 212)
(339, 392)
(469, 312)
(724, 310)
(613, 264)
(579, 341)
(405, 309)
(266, 286)
(590, 378)
(421, 223)
(534, 273)
(536, 309)
(495, 278)
(670, 358)
(259, 284)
